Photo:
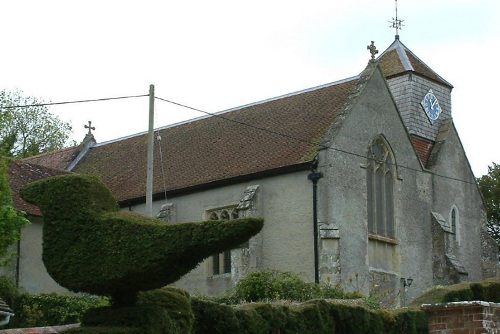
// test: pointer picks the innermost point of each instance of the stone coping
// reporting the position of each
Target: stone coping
(459, 304)
(39, 330)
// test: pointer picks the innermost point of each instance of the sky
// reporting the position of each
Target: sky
(219, 54)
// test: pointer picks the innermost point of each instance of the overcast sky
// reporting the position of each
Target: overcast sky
(215, 55)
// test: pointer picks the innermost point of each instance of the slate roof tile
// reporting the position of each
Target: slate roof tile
(398, 59)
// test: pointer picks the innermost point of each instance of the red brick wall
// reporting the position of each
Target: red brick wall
(463, 318)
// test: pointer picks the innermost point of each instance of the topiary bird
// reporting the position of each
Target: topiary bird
(89, 245)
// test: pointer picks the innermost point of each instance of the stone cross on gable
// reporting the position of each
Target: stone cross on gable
(90, 127)
(373, 49)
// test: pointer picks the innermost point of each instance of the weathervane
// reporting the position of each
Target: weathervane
(396, 23)
(90, 127)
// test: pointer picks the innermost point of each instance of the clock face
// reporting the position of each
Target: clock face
(431, 106)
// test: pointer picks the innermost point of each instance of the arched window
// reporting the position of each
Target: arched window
(221, 263)
(380, 188)
(454, 221)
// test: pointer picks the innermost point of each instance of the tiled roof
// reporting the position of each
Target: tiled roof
(263, 137)
(60, 159)
(63, 159)
(21, 173)
(398, 59)
(423, 148)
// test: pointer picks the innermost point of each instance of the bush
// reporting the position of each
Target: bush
(8, 290)
(45, 309)
(271, 285)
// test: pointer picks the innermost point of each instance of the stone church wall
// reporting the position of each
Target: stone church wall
(31, 275)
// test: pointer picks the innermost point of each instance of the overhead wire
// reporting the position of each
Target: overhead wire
(72, 102)
(308, 142)
(234, 121)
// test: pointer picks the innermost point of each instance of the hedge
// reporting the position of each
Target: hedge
(313, 317)
(45, 309)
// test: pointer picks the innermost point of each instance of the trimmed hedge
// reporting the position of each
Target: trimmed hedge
(90, 246)
(313, 317)
(167, 310)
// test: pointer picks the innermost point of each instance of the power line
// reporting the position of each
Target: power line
(72, 102)
(308, 142)
(231, 120)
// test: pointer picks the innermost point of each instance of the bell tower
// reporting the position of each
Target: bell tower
(422, 96)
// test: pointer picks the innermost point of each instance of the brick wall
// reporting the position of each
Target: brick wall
(463, 318)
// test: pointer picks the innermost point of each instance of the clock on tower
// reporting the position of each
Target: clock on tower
(431, 106)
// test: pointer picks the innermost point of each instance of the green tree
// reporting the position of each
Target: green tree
(489, 185)
(31, 130)
(11, 220)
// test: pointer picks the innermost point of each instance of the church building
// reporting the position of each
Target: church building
(361, 182)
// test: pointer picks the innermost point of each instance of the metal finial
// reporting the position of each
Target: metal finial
(373, 49)
(90, 127)
(396, 23)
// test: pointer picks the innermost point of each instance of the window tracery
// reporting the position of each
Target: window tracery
(380, 189)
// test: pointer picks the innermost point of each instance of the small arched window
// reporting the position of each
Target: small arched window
(380, 189)
(455, 223)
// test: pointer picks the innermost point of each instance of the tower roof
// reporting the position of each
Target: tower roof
(397, 59)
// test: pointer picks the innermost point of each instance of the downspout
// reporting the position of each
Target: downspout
(314, 176)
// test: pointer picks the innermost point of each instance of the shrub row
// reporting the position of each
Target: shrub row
(45, 309)
(316, 317)
(172, 311)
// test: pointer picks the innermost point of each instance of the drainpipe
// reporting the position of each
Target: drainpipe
(314, 176)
